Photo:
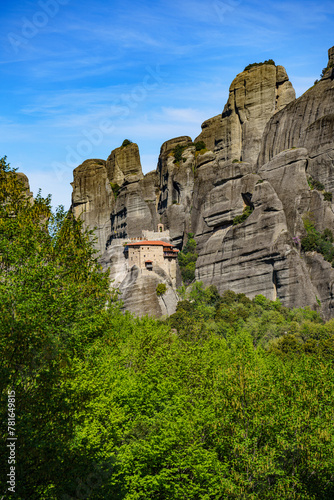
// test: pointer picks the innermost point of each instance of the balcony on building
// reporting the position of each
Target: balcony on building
(170, 252)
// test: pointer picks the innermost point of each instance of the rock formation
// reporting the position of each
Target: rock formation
(255, 95)
(92, 198)
(259, 155)
(24, 179)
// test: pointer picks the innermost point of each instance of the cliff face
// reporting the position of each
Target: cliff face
(259, 153)
(116, 199)
(92, 198)
(255, 95)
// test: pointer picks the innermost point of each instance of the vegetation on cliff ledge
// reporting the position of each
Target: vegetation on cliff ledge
(161, 289)
(187, 260)
(315, 241)
(115, 189)
(227, 398)
(200, 148)
(245, 214)
(253, 65)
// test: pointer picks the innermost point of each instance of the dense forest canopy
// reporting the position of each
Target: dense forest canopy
(227, 398)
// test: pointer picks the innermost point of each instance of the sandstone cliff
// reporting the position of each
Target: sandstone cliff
(116, 199)
(260, 153)
(255, 95)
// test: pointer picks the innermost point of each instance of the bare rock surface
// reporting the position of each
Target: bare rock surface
(24, 179)
(123, 164)
(139, 295)
(132, 213)
(307, 122)
(92, 198)
(114, 260)
(257, 256)
(255, 95)
(176, 185)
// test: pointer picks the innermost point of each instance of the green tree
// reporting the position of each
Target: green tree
(187, 260)
(53, 305)
(161, 289)
(227, 398)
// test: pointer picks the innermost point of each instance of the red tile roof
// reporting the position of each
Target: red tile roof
(149, 243)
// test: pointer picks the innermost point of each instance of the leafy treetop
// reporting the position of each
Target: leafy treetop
(227, 398)
(252, 65)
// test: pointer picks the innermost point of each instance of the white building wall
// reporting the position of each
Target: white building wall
(139, 255)
(156, 236)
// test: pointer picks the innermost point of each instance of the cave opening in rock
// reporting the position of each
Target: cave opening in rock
(275, 283)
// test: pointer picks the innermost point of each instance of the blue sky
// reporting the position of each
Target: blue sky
(78, 77)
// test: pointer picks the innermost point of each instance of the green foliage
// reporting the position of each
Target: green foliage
(235, 160)
(5, 167)
(328, 235)
(177, 153)
(53, 306)
(328, 196)
(187, 260)
(126, 142)
(227, 398)
(115, 189)
(314, 184)
(200, 145)
(200, 148)
(324, 71)
(314, 241)
(232, 313)
(161, 289)
(201, 152)
(269, 61)
(241, 218)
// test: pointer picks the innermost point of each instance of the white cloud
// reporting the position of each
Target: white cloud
(184, 115)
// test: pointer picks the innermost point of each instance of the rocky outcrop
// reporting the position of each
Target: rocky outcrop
(261, 152)
(257, 256)
(255, 95)
(114, 197)
(260, 255)
(308, 122)
(114, 260)
(136, 195)
(92, 199)
(139, 293)
(123, 165)
(25, 181)
(176, 183)
(132, 213)
(119, 202)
